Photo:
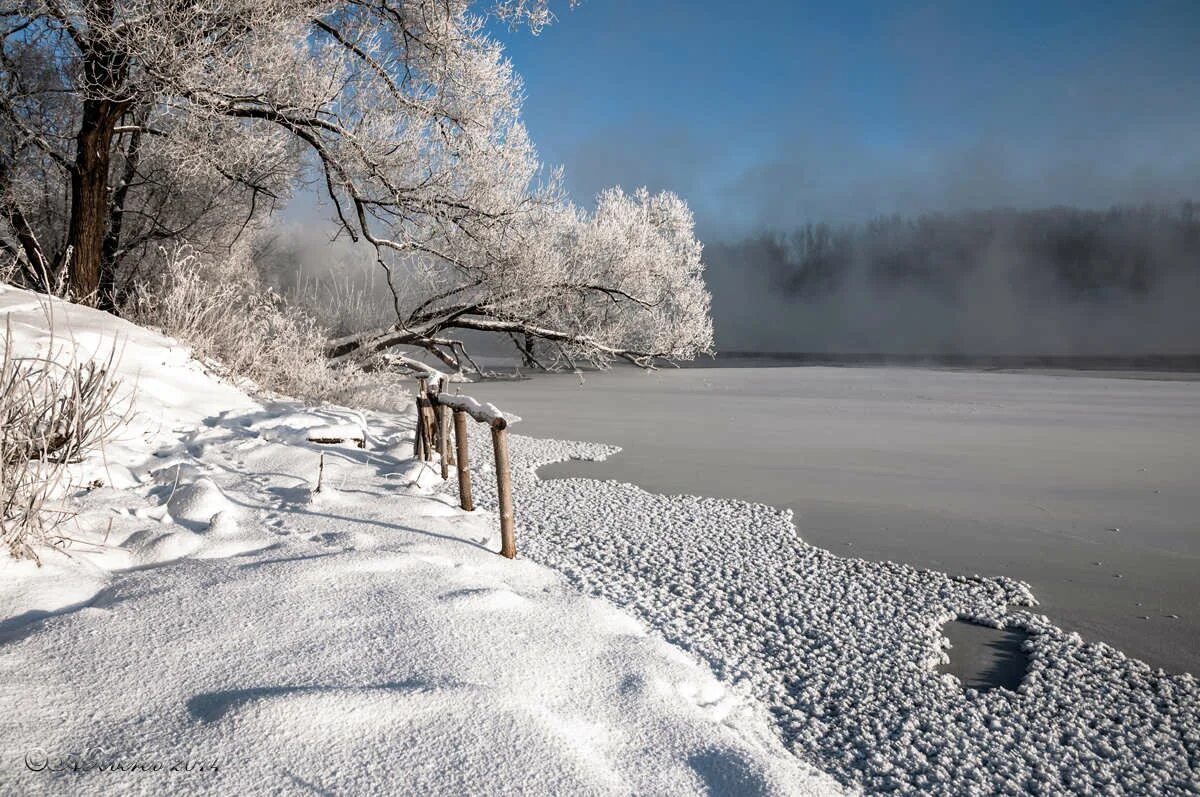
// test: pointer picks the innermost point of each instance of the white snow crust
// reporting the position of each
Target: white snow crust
(485, 413)
(844, 651)
(340, 431)
(212, 609)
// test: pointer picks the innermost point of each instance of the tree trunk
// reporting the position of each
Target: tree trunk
(103, 74)
(89, 202)
(528, 359)
(111, 248)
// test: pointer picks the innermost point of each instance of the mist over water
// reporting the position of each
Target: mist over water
(1001, 295)
(863, 112)
(1056, 282)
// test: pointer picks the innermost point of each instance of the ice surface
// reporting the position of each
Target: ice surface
(1023, 475)
(845, 652)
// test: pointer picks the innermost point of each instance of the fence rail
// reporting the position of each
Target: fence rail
(435, 406)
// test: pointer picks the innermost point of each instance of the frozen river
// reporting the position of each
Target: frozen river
(1086, 486)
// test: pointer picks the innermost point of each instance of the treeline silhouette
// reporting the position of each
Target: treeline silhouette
(1079, 255)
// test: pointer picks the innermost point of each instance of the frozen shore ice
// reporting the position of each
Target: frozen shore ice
(844, 651)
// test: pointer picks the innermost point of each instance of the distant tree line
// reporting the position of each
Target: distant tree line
(1080, 255)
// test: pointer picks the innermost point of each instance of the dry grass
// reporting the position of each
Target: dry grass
(52, 413)
(229, 317)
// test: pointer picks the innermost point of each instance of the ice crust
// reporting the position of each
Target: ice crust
(844, 651)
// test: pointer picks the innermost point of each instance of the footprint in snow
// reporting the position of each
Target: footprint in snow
(330, 705)
(485, 600)
(437, 508)
(349, 540)
(727, 771)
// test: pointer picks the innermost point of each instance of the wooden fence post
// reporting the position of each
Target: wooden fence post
(435, 420)
(448, 420)
(427, 430)
(419, 430)
(464, 467)
(417, 426)
(450, 448)
(423, 426)
(443, 424)
(508, 544)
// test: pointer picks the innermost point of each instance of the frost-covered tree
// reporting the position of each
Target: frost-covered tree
(409, 111)
(625, 282)
(126, 123)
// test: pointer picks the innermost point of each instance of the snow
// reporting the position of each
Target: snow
(367, 638)
(342, 431)
(484, 413)
(364, 639)
(845, 651)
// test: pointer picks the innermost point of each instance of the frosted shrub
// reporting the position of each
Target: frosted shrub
(52, 414)
(247, 330)
(345, 305)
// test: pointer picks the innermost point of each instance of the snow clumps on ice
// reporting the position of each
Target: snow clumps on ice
(844, 651)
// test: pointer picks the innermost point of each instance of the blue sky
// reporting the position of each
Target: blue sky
(776, 113)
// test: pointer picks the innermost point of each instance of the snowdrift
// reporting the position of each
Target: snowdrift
(214, 627)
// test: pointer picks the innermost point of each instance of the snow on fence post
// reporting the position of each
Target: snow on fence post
(508, 543)
(462, 463)
(498, 422)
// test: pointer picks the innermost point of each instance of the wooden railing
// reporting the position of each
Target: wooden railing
(435, 406)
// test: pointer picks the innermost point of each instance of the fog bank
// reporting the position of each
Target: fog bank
(1051, 282)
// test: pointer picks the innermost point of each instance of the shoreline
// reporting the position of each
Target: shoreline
(1148, 366)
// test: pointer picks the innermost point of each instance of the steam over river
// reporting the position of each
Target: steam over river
(1087, 486)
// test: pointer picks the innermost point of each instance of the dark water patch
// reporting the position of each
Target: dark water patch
(986, 658)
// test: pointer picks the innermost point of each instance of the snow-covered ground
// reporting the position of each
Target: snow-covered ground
(215, 615)
(367, 639)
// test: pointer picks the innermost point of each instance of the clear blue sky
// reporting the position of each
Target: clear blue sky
(773, 113)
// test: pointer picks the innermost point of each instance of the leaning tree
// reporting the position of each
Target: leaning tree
(126, 123)
(622, 283)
